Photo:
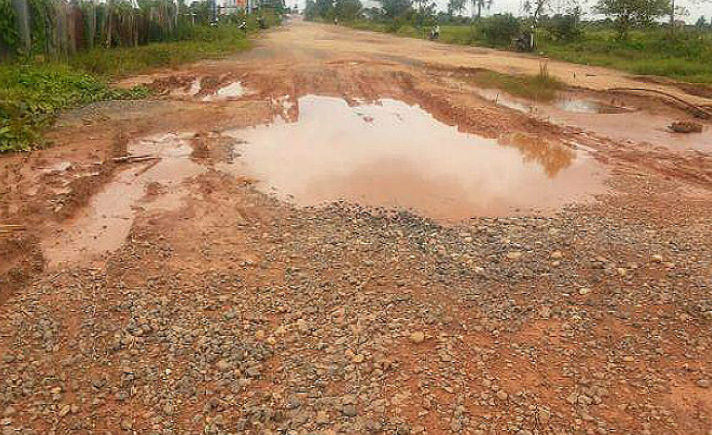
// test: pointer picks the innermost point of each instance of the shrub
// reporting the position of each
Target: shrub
(564, 27)
(500, 29)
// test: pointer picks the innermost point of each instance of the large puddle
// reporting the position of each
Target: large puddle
(394, 155)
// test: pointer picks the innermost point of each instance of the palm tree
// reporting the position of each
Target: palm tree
(479, 4)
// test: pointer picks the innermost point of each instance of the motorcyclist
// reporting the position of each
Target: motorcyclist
(435, 32)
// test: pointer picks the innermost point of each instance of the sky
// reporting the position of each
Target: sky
(695, 7)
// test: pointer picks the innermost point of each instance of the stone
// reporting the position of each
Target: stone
(349, 410)
(322, 418)
(514, 255)
(417, 337)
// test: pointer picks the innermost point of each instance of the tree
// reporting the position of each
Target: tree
(479, 4)
(395, 8)
(536, 8)
(425, 12)
(455, 7)
(310, 10)
(325, 8)
(701, 22)
(628, 13)
(347, 10)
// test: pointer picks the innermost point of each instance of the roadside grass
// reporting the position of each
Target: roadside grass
(204, 43)
(540, 87)
(32, 94)
(687, 57)
(33, 91)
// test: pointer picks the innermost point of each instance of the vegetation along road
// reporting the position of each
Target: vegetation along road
(341, 231)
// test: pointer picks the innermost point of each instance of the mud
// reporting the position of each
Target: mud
(105, 223)
(494, 268)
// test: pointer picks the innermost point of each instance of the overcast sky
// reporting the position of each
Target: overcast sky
(695, 7)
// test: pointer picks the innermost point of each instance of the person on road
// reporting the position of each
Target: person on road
(435, 32)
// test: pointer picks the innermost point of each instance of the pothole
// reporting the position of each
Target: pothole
(578, 105)
(394, 155)
(105, 223)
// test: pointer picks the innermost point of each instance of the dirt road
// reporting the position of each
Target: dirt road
(337, 232)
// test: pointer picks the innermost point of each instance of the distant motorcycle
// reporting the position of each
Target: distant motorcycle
(434, 33)
(243, 26)
(525, 42)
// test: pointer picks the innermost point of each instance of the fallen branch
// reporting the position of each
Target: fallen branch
(132, 159)
(698, 111)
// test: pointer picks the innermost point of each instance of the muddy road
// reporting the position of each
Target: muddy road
(338, 232)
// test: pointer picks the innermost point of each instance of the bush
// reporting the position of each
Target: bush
(564, 27)
(500, 29)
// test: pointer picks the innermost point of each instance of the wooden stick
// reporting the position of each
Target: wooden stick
(138, 158)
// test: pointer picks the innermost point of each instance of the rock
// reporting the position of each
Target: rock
(322, 418)
(349, 410)
(64, 410)
(417, 337)
(358, 358)
(222, 365)
(544, 415)
(685, 127)
(656, 258)
(703, 383)
(501, 395)
(98, 382)
(556, 255)
(584, 291)
(126, 424)
(514, 255)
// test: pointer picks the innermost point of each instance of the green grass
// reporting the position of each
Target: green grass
(205, 43)
(539, 87)
(32, 92)
(687, 57)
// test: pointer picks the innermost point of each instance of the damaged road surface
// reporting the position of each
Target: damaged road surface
(338, 232)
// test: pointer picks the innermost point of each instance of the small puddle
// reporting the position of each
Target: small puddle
(105, 223)
(231, 91)
(391, 154)
(575, 105)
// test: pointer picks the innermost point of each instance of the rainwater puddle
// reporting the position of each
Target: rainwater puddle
(233, 90)
(190, 91)
(394, 155)
(588, 106)
(106, 222)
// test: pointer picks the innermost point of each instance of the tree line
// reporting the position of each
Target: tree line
(624, 15)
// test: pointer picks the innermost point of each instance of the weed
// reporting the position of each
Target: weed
(540, 87)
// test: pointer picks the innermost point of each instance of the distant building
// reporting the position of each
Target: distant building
(231, 6)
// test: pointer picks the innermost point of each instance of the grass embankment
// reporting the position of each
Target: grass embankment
(32, 92)
(686, 57)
